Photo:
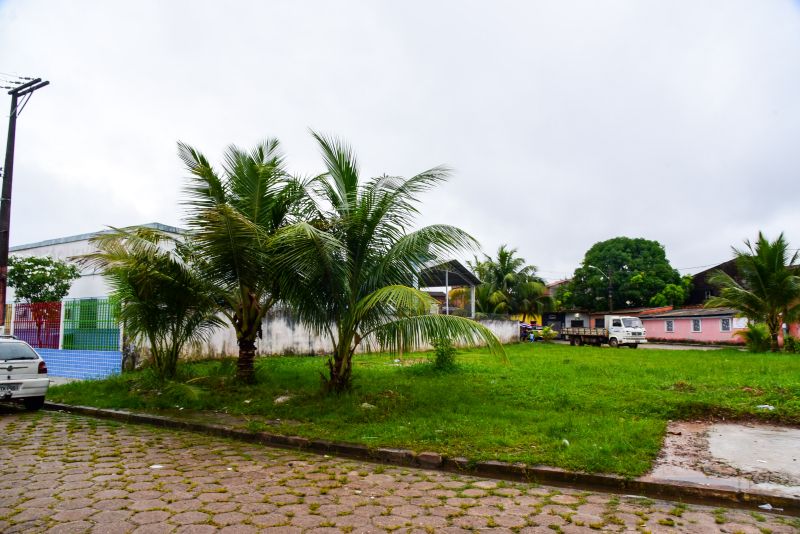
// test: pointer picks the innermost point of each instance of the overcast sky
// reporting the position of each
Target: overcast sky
(566, 123)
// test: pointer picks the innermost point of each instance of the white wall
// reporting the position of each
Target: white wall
(281, 334)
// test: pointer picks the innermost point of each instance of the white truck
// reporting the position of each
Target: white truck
(616, 331)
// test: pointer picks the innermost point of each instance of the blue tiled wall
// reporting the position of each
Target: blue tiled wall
(82, 363)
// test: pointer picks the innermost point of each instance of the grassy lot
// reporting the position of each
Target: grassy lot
(611, 405)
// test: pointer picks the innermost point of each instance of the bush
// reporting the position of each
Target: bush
(548, 334)
(791, 344)
(444, 354)
(756, 337)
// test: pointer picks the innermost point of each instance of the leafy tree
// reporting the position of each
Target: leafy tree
(164, 298)
(233, 215)
(358, 264)
(636, 270)
(673, 294)
(37, 279)
(769, 291)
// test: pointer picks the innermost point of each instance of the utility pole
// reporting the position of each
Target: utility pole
(607, 276)
(23, 91)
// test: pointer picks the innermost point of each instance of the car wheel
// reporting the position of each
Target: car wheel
(33, 403)
(613, 342)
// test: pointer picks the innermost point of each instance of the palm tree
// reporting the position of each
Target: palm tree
(359, 265)
(232, 217)
(508, 270)
(769, 291)
(531, 299)
(509, 284)
(163, 298)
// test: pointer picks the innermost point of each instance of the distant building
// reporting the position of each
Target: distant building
(91, 282)
(702, 289)
(695, 325)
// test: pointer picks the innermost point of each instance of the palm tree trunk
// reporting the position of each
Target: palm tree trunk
(339, 377)
(245, 370)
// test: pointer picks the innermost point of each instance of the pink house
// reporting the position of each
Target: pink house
(698, 325)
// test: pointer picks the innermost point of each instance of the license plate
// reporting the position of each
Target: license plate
(9, 387)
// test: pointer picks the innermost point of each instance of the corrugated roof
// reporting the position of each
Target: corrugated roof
(694, 312)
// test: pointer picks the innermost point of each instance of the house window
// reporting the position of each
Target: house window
(669, 325)
(696, 324)
(600, 323)
(576, 323)
(709, 294)
(725, 325)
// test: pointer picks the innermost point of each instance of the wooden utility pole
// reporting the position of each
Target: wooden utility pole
(23, 91)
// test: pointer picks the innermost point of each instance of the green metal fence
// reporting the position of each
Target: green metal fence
(91, 324)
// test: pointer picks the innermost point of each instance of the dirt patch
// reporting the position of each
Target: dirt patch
(744, 456)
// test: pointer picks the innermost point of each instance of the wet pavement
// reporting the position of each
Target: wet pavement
(733, 456)
(68, 474)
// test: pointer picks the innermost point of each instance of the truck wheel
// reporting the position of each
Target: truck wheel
(578, 341)
(572, 341)
(613, 342)
(634, 346)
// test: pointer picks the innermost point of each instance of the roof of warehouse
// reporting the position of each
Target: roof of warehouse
(82, 237)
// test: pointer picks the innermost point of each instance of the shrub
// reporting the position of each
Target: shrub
(548, 334)
(444, 354)
(756, 337)
(791, 344)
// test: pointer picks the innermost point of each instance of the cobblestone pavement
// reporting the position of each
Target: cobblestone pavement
(67, 474)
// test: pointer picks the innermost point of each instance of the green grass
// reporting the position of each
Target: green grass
(611, 405)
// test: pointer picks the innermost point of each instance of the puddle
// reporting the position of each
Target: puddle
(743, 457)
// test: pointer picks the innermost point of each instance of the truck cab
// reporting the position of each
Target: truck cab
(625, 331)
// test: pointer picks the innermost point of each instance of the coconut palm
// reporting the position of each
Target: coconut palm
(769, 290)
(164, 300)
(233, 215)
(531, 298)
(359, 265)
(509, 284)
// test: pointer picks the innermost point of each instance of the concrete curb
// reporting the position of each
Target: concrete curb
(517, 472)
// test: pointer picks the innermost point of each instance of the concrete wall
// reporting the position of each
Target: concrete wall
(282, 334)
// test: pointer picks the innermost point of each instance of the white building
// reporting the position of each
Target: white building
(91, 282)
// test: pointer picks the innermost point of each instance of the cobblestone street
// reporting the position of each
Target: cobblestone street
(63, 473)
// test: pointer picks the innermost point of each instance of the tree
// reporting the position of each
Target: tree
(164, 298)
(673, 294)
(358, 265)
(509, 285)
(233, 215)
(769, 287)
(37, 279)
(632, 270)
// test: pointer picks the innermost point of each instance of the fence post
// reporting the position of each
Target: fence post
(11, 320)
(61, 327)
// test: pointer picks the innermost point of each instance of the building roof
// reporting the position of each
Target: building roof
(83, 237)
(433, 274)
(694, 312)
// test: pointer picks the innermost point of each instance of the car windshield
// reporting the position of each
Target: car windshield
(16, 351)
(632, 322)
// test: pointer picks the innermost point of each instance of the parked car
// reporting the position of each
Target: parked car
(23, 373)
